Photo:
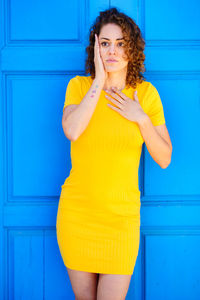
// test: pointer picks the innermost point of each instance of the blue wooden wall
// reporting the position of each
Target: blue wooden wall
(43, 46)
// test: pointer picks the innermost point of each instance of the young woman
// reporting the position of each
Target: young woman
(98, 220)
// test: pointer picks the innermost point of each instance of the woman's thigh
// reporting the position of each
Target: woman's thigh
(84, 284)
(112, 287)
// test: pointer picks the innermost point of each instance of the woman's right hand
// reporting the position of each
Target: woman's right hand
(100, 72)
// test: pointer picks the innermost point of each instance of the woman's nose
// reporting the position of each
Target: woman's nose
(112, 49)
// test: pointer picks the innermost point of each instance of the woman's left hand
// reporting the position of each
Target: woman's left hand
(128, 108)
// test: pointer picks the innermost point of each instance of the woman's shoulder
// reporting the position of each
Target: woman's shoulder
(146, 86)
(83, 81)
(147, 93)
(147, 90)
(81, 78)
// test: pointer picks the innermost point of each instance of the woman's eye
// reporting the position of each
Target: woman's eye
(120, 43)
(103, 43)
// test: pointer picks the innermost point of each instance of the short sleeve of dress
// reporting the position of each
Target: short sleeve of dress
(73, 93)
(154, 107)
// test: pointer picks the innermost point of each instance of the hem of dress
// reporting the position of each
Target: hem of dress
(67, 265)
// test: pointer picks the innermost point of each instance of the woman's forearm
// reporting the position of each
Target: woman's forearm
(79, 118)
(158, 148)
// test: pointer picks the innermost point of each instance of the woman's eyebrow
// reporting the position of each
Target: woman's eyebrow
(109, 40)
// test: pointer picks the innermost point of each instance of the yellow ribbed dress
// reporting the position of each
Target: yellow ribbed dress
(98, 218)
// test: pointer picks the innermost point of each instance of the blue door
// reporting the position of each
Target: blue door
(42, 48)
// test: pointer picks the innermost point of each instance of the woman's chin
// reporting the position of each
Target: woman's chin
(112, 69)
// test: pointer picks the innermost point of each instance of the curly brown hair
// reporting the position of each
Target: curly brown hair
(134, 44)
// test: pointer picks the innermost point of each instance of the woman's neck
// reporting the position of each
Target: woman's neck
(115, 79)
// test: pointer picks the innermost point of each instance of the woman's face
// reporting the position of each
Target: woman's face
(112, 48)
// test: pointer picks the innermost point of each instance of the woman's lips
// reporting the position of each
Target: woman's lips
(111, 60)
